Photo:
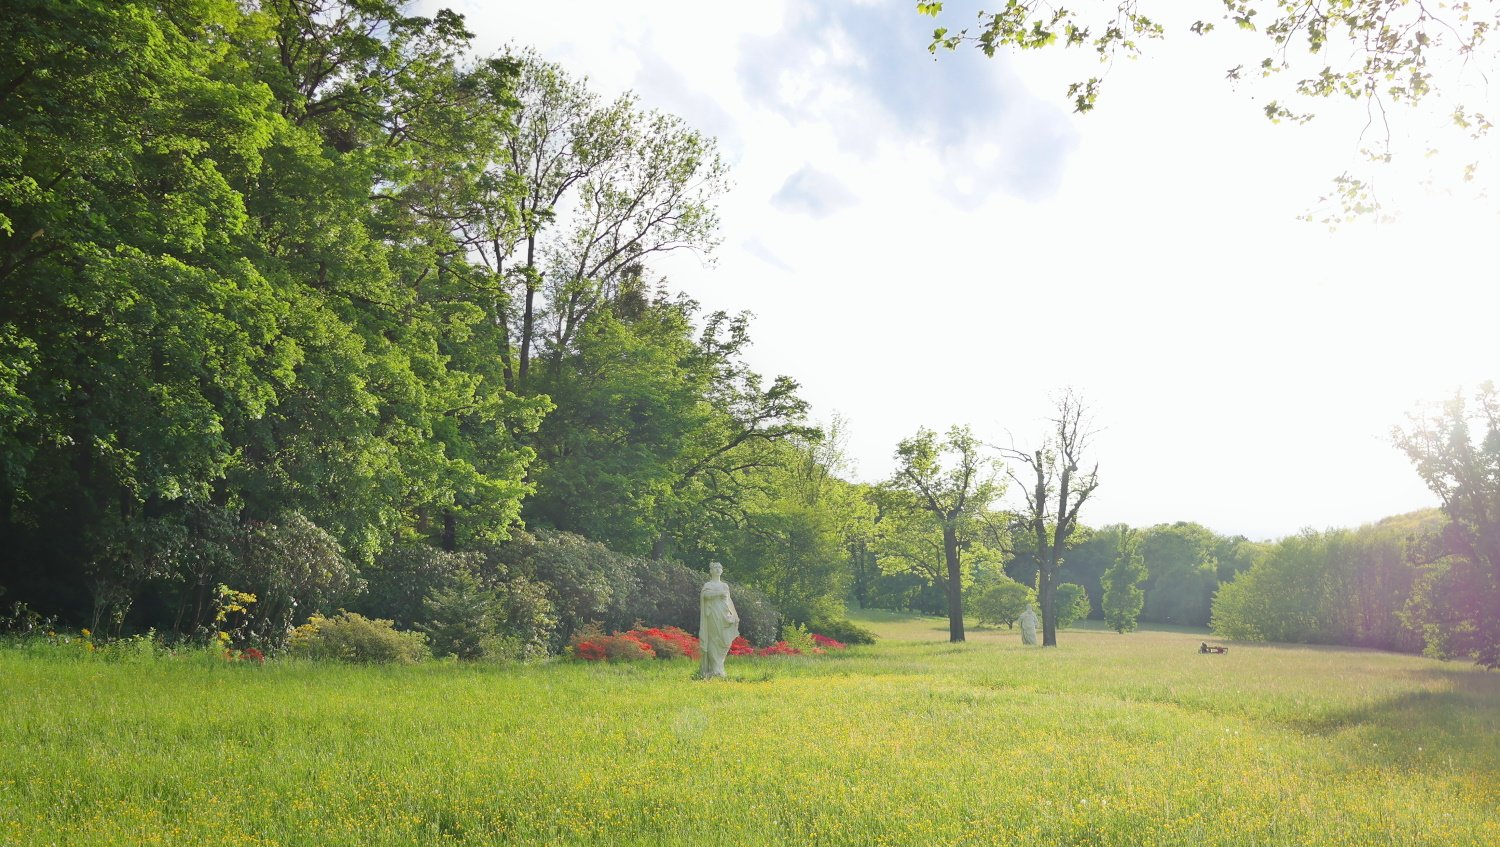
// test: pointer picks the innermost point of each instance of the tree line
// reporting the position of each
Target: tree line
(1423, 582)
(308, 299)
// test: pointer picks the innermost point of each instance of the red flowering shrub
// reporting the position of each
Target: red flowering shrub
(613, 648)
(589, 651)
(627, 647)
(688, 640)
(591, 644)
(668, 642)
(780, 648)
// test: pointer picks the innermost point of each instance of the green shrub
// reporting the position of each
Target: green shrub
(24, 620)
(351, 637)
(1072, 604)
(292, 566)
(665, 593)
(401, 579)
(843, 630)
(1002, 602)
(136, 648)
(506, 648)
(798, 637)
(584, 580)
(527, 615)
(471, 619)
(760, 623)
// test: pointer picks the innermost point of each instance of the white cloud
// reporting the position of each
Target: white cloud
(813, 192)
(758, 249)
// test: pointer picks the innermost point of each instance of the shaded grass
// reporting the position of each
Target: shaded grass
(1105, 740)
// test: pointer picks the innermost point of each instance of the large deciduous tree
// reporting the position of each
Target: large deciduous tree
(1182, 568)
(1056, 485)
(589, 190)
(136, 337)
(791, 534)
(661, 431)
(1456, 451)
(234, 300)
(954, 482)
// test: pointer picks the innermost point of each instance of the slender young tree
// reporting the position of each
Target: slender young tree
(1123, 596)
(955, 482)
(1056, 487)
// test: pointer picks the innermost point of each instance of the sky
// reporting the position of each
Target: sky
(929, 241)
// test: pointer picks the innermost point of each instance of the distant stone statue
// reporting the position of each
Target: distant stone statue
(718, 623)
(1028, 627)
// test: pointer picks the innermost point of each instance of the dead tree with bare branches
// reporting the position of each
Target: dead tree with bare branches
(1055, 490)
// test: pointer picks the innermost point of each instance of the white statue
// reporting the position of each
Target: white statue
(1028, 627)
(718, 623)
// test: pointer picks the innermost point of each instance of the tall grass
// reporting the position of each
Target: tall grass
(1106, 740)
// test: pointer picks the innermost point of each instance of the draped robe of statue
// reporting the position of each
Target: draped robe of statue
(718, 624)
(1028, 627)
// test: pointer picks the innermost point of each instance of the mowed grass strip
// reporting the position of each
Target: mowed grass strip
(1106, 740)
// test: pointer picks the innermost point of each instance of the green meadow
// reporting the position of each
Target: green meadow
(1106, 740)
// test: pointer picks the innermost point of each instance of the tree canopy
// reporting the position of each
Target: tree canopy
(299, 285)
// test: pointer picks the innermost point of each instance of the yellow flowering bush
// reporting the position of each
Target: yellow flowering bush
(351, 637)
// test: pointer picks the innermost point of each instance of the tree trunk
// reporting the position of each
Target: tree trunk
(859, 558)
(528, 315)
(1046, 559)
(1054, 553)
(955, 583)
(450, 531)
(1047, 578)
(502, 322)
(659, 548)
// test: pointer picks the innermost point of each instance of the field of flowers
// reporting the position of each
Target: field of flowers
(1106, 740)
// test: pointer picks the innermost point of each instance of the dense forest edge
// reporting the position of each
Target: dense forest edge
(308, 310)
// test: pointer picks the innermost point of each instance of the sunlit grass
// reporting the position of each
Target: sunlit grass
(1106, 740)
